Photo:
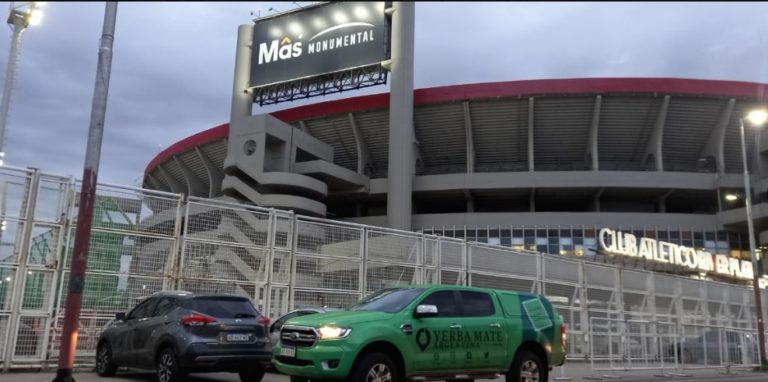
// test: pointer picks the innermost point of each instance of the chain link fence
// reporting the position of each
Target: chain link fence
(145, 241)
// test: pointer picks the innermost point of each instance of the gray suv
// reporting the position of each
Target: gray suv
(177, 333)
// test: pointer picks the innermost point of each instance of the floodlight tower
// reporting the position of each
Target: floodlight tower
(19, 18)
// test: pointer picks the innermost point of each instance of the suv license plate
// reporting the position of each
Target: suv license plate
(288, 351)
(238, 337)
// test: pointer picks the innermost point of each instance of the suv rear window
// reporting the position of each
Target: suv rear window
(223, 307)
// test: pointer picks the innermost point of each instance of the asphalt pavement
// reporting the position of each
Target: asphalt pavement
(574, 371)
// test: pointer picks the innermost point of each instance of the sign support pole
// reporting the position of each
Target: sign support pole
(401, 133)
(242, 100)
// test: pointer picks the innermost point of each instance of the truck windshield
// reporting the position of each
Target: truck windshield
(388, 300)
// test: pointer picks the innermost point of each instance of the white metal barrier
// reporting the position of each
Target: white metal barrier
(629, 345)
(146, 241)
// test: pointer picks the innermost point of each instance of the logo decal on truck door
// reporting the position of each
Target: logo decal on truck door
(423, 338)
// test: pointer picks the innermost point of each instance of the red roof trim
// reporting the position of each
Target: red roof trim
(188, 143)
(490, 90)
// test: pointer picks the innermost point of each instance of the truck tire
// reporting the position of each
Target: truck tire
(527, 367)
(374, 367)
(299, 379)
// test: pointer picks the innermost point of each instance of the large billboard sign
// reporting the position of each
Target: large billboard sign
(319, 40)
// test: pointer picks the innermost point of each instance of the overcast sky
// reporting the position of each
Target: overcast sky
(173, 63)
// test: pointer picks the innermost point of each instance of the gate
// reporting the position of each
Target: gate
(708, 346)
(625, 345)
(32, 209)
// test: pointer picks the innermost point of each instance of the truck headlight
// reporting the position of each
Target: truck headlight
(332, 332)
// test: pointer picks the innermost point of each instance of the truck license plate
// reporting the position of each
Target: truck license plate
(288, 351)
(238, 337)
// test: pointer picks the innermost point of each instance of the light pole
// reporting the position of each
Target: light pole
(19, 18)
(757, 117)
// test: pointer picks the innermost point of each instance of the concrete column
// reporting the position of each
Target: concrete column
(469, 139)
(656, 142)
(242, 100)
(401, 144)
(530, 134)
(715, 146)
(592, 154)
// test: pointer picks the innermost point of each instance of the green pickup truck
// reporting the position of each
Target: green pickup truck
(426, 332)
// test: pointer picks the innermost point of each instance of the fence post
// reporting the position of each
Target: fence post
(583, 306)
(17, 298)
(439, 260)
(363, 277)
(271, 233)
(292, 261)
(421, 260)
(540, 269)
(467, 263)
(179, 274)
(172, 275)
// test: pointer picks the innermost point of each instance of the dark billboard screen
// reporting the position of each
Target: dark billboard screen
(323, 39)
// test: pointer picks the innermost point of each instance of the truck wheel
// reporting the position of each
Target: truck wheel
(527, 367)
(298, 379)
(374, 367)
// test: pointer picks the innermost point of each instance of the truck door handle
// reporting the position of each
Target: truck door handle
(455, 326)
(495, 325)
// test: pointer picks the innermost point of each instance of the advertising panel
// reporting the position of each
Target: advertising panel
(327, 38)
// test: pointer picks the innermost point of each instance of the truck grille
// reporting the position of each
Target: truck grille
(300, 336)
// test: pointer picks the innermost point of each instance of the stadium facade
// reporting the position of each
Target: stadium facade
(539, 165)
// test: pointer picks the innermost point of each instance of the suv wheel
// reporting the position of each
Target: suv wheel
(252, 375)
(104, 365)
(375, 367)
(168, 369)
(527, 367)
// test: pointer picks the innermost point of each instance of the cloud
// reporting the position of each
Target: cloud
(173, 64)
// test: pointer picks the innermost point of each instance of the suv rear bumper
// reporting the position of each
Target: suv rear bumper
(203, 357)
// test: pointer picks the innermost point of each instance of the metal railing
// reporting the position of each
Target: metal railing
(145, 241)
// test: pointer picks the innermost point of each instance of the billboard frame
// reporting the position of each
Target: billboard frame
(337, 81)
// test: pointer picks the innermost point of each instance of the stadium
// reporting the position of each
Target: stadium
(539, 165)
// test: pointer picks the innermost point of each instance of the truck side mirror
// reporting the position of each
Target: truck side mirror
(425, 311)
(120, 316)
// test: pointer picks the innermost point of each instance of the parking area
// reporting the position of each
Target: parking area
(575, 371)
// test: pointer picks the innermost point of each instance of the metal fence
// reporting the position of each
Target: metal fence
(146, 241)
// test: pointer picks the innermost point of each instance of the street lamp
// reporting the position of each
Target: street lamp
(20, 17)
(757, 118)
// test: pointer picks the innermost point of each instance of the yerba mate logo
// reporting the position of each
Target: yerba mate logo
(423, 338)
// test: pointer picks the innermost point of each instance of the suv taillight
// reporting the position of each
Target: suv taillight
(197, 319)
(562, 335)
(264, 320)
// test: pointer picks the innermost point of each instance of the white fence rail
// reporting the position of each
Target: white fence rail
(146, 241)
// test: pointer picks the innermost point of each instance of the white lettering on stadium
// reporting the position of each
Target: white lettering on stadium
(340, 42)
(626, 244)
